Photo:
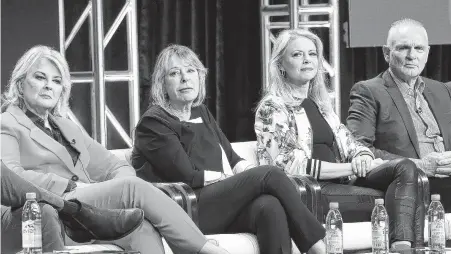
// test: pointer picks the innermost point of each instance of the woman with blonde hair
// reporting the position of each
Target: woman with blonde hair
(298, 131)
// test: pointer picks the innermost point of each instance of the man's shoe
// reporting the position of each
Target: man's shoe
(91, 223)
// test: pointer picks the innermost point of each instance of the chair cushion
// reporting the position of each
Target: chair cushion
(245, 243)
(92, 248)
(247, 150)
(241, 243)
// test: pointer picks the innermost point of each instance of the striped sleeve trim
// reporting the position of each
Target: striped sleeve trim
(314, 168)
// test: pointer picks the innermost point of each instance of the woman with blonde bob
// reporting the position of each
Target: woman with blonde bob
(298, 131)
(178, 140)
(43, 146)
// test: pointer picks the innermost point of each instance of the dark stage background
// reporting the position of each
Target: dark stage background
(25, 23)
(226, 36)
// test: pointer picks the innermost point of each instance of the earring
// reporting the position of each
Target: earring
(20, 88)
(283, 73)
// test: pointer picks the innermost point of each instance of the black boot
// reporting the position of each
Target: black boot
(84, 223)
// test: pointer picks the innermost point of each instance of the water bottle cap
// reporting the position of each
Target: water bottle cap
(30, 195)
(435, 197)
(333, 205)
(379, 201)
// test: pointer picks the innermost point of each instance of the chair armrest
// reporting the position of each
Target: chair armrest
(314, 197)
(300, 187)
(183, 195)
(423, 185)
(173, 192)
(190, 201)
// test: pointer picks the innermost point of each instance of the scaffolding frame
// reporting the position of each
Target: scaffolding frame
(100, 112)
(299, 12)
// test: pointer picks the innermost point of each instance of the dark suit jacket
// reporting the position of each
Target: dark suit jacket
(379, 117)
(37, 157)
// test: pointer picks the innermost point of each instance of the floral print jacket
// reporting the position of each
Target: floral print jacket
(285, 138)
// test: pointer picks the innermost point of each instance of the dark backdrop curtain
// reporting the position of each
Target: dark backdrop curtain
(226, 36)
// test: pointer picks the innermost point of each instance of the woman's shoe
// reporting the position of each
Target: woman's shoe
(91, 223)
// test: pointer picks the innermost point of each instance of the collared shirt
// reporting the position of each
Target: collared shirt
(429, 137)
(55, 133)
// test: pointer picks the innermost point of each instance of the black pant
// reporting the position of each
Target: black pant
(397, 180)
(442, 186)
(13, 197)
(262, 201)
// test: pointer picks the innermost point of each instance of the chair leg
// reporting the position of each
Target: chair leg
(424, 191)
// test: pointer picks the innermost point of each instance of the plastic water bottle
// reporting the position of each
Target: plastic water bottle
(380, 228)
(436, 220)
(334, 230)
(31, 226)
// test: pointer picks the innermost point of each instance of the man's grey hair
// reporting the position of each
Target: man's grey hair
(404, 22)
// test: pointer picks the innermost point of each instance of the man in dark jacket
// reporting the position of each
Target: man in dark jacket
(401, 114)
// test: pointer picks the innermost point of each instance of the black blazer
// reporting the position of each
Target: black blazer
(164, 148)
(380, 119)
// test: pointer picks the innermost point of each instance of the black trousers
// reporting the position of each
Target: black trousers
(397, 182)
(13, 197)
(262, 201)
(442, 186)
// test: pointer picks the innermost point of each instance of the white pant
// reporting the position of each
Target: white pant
(163, 215)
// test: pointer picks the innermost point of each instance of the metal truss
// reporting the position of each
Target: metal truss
(98, 76)
(299, 12)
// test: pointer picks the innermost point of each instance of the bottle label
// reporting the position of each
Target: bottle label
(31, 234)
(379, 240)
(437, 233)
(334, 241)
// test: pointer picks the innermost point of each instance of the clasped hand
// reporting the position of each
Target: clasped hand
(440, 162)
(362, 164)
